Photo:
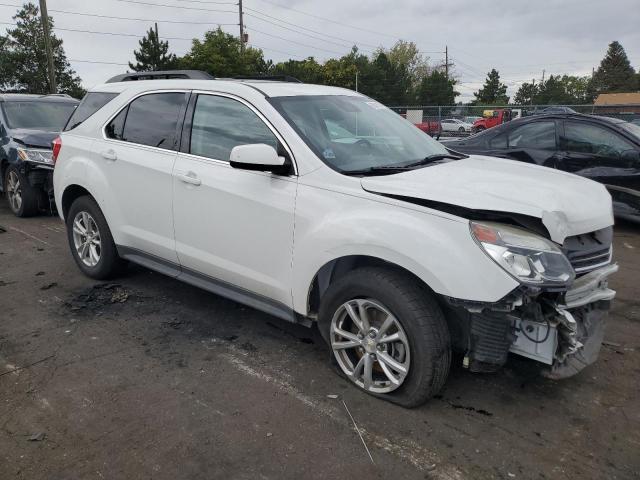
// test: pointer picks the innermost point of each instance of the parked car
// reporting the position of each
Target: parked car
(554, 109)
(492, 118)
(28, 124)
(603, 149)
(322, 207)
(430, 127)
(455, 125)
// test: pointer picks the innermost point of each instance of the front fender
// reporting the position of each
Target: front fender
(437, 249)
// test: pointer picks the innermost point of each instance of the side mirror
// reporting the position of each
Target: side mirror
(258, 157)
(632, 157)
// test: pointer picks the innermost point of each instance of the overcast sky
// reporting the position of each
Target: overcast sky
(519, 38)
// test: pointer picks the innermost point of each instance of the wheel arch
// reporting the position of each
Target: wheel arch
(70, 194)
(338, 267)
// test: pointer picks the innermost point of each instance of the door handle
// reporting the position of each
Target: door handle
(109, 155)
(189, 178)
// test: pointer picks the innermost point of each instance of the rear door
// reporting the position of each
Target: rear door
(233, 227)
(534, 142)
(136, 155)
(596, 152)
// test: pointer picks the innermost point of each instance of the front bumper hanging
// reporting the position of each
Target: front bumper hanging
(562, 330)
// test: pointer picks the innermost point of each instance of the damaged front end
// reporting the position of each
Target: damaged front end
(558, 324)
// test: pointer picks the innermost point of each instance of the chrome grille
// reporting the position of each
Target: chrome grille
(585, 262)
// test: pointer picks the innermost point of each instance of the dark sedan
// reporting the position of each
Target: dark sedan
(28, 125)
(603, 149)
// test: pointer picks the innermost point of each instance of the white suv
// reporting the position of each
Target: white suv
(321, 206)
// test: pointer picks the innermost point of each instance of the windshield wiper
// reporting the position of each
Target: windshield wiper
(435, 158)
(380, 170)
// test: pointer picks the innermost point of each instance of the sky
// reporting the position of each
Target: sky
(519, 38)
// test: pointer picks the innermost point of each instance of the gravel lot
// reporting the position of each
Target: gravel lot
(149, 378)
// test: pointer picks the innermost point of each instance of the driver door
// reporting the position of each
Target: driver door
(233, 227)
(595, 151)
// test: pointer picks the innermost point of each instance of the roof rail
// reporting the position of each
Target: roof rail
(273, 78)
(161, 75)
(65, 95)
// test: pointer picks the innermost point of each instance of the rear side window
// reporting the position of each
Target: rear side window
(593, 139)
(149, 120)
(90, 104)
(538, 135)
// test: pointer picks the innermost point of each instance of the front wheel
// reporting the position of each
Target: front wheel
(22, 197)
(387, 335)
(90, 240)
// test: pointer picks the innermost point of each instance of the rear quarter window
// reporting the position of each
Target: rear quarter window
(90, 104)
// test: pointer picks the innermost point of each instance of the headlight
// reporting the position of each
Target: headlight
(528, 257)
(37, 156)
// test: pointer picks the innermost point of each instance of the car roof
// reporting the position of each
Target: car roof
(26, 97)
(572, 116)
(269, 88)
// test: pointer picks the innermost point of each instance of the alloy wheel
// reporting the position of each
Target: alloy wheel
(86, 239)
(370, 345)
(14, 191)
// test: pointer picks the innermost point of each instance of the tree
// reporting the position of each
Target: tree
(221, 55)
(615, 73)
(23, 60)
(493, 92)
(153, 54)
(526, 94)
(307, 71)
(406, 55)
(436, 89)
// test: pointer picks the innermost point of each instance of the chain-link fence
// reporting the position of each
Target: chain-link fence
(458, 120)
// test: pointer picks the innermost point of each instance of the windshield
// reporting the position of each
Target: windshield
(51, 116)
(356, 133)
(632, 128)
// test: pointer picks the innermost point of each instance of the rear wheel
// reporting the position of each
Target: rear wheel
(90, 240)
(461, 129)
(21, 196)
(387, 335)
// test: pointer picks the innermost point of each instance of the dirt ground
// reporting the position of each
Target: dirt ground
(149, 378)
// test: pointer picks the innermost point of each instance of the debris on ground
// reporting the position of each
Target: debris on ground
(98, 296)
(4, 284)
(48, 286)
(37, 437)
(175, 323)
(332, 396)
(39, 274)
(269, 434)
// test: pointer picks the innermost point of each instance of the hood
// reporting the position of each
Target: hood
(33, 138)
(567, 204)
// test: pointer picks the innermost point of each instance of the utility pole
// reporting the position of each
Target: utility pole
(543, 72)
(158, 42)
(446, 61)
(241, 25)
(44, 18)
(356, 80)
(533, 90)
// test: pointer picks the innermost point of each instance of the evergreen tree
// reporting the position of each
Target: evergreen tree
(23, 61)
(615, 73)
(436, 89)
(526, 94)
(493, 92)
(153, 54)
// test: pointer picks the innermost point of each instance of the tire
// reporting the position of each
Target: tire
(461, 130)
(21, 196)
(417, 316)
(100, 259)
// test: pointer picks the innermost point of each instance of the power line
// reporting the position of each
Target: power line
(298, 43)
(352, 42)
(330, 20)
(67, 12)
(180, 7)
